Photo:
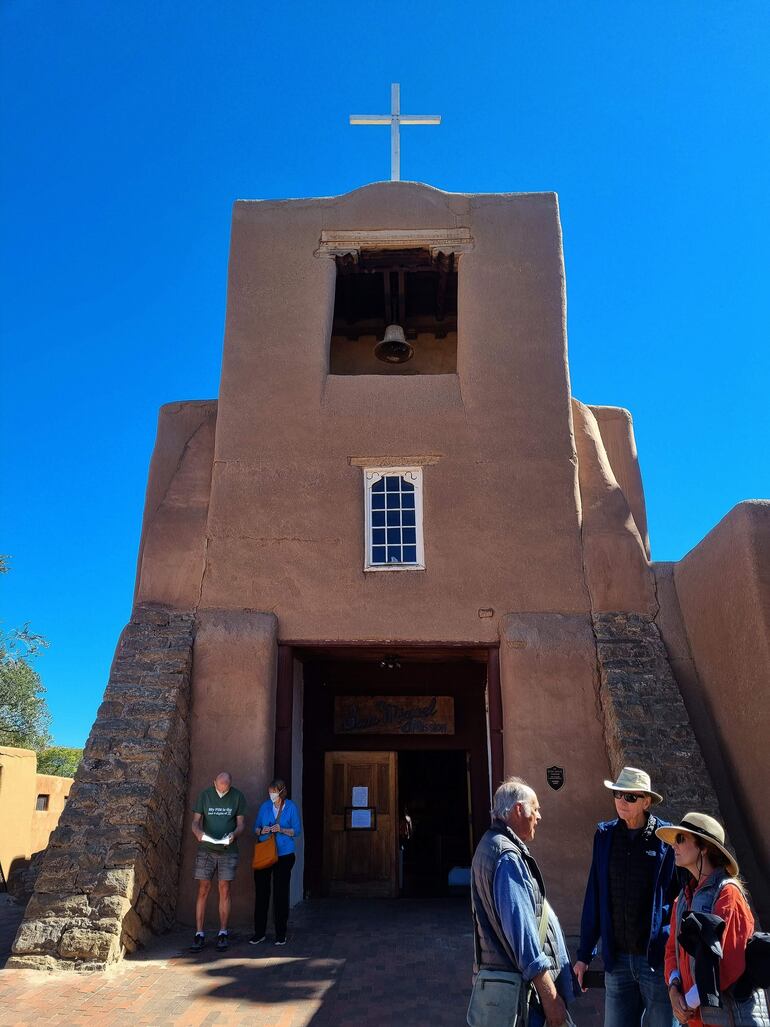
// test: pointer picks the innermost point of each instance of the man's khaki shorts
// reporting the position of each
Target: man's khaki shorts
(224, 863)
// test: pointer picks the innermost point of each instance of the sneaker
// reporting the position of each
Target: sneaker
(280, 941)
(222, 940)
(198, 942)
(256, 940)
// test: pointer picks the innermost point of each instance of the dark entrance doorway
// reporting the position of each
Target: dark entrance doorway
(426, 707)
(435, 828)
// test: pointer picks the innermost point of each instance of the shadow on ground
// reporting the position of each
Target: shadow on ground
(362, 963)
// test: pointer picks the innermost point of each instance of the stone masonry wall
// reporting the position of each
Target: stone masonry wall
(646, 723)
(109, 877)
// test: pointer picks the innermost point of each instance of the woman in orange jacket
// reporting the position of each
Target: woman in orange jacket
(713, 887)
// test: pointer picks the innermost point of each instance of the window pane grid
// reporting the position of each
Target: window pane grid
(393, 526)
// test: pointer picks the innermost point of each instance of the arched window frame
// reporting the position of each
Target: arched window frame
(372, 475)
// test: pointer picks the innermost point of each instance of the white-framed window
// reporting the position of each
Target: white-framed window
(393, 518)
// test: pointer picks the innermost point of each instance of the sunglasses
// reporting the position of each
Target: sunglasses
(629, 797)
(680, 839)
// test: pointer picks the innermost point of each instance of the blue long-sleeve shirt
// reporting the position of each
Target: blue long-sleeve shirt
(514, 899)
(289, 817)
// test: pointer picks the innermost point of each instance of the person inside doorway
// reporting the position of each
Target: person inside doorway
(279, 817)
(218, 819)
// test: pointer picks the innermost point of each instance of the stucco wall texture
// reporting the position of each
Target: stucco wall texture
(17, 801)
(23, 829)
(44, 821)
(723, 587)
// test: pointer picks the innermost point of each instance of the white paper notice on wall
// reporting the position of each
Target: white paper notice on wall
(360, 795)
(361, 818)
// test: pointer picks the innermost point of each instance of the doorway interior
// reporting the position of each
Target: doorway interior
(440, 760)
(435, 826)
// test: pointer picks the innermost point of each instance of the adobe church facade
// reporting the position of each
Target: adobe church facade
(408, 576)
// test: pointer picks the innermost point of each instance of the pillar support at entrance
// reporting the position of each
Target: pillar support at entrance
(232, 728)
(551, 717)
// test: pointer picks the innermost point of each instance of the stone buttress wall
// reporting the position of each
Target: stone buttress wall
(645, 721)
(109, 878)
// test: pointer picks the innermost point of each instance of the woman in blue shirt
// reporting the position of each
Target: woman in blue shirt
(278, 816)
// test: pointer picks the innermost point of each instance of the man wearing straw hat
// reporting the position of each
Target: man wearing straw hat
(631, 886)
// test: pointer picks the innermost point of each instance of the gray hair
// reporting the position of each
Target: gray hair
(511, 791)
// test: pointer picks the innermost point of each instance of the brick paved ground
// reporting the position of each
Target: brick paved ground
(347, 964)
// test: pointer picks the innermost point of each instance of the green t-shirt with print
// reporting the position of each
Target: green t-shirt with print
(218, 815)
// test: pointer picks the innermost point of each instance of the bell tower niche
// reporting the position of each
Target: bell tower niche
(395, 312)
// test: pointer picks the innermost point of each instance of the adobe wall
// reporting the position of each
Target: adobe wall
(617, 431)
(285, 519)
(552, 717)
(44, 822)
(17, 801)
(734, 812)
(617, 571)
(232, 727)
(723, 587)
(172, 547)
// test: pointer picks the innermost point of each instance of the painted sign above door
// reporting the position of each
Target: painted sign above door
(394, 715)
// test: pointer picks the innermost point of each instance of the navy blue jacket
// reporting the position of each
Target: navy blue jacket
(596, 921)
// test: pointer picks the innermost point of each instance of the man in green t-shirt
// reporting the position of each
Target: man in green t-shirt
(218, 819)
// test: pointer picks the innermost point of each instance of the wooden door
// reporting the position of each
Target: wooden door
(358, 861)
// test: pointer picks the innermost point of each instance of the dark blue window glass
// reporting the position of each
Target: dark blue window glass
(393, 521)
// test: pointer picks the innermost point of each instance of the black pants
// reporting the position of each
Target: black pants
(280, 874)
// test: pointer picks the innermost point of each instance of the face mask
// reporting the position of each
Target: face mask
(274, 796)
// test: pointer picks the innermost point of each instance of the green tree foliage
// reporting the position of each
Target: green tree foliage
(24, 715)
(59, 760)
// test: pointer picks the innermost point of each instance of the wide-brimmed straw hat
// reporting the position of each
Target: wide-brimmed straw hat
(702, 826)
(631, 779)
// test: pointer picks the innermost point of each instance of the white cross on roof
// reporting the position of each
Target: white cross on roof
(395, 119)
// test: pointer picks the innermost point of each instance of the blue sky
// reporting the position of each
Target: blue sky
(128, 129)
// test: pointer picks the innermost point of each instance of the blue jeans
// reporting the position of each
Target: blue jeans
(636, 994)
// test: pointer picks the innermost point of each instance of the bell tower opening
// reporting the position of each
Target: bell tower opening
(395, 312)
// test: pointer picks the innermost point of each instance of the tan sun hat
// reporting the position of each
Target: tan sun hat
(631, 779)
(702, 826)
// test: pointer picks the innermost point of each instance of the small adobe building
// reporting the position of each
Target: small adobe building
(406, 569)
(30, 807)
